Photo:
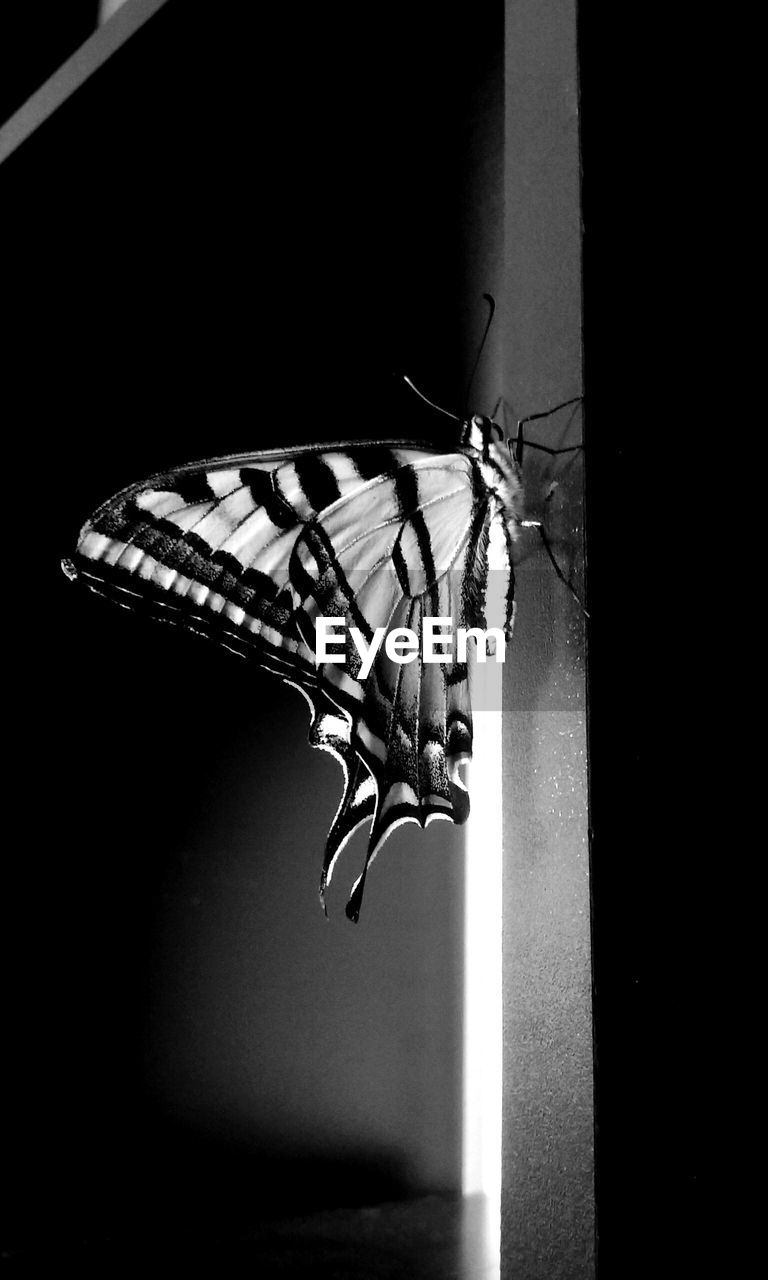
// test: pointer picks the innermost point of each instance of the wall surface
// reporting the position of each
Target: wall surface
(223, 240)
(548, 1193)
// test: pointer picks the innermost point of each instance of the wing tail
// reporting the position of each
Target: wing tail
(415, 732)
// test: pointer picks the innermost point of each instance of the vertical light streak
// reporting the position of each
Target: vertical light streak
(481, 1172)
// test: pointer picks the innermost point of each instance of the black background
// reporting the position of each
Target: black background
(273, 261)
(230, 237)
(652, 579)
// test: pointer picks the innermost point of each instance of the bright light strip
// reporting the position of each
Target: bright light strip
(481, 1171)
(108, 7)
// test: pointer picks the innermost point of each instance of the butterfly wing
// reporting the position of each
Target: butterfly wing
(250, 550)
(392, 554)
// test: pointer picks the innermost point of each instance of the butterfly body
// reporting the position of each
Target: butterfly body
(251, 549)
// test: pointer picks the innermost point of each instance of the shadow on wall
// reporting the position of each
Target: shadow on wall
(188, 1194)
(194, 1045)
(191, 1038)
(203, 1183)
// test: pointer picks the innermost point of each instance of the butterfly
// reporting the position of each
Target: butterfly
(253, 549)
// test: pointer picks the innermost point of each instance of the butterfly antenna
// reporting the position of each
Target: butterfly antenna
(498, 405)
(491, 310)
(431, 403)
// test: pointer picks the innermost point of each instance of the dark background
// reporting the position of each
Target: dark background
(231, 236)
(36, 39)
(256, 230)
(653, 575)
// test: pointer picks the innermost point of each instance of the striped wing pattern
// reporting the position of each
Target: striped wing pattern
(249, 550)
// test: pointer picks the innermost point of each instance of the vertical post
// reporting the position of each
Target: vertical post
(547, 1211)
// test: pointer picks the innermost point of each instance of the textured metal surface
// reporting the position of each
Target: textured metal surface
(548, 1191)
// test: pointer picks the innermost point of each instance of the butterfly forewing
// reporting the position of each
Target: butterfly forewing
(251, 550)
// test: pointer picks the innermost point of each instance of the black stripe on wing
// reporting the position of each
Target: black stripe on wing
(263, 489)
(318, 482)
(120, 585)
(188, 555)
(329, 586)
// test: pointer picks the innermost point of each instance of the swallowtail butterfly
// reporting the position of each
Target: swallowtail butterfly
(251, 549)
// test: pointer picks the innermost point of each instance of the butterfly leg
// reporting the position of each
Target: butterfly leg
(520, 441)
(558, 570)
